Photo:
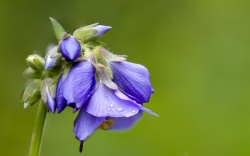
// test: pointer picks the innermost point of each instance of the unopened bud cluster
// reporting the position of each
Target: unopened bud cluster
(43, 73)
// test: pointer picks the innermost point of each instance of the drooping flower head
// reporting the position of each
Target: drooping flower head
(107, 91)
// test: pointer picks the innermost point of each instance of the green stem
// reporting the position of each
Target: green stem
(38, 130)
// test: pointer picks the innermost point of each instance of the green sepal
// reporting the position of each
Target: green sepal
(58, 29)
(103, 61)
(97, 43)
(31, 73)
(105, 77)
(110, 56)
(84, 33)
(36, 62)
(31, 93)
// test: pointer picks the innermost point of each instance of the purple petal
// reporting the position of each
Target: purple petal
(79, 83)
(133, 79)
(67, 88)
(105, 102)
(101, 29)
(50, 101)
(51, 58)
(85, 124)
(60, 100)
(70, 48)
(140, 106)
(123, 123)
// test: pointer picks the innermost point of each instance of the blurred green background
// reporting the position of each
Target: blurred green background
(198, 54)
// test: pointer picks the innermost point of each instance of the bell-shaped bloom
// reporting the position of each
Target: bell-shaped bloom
(77, 86)
(50, 101)
(70, 48)
(106, 104)
(133, 79)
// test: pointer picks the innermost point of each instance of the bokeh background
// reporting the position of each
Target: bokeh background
(198, 54)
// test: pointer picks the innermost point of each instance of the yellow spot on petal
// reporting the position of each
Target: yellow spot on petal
(104, 126)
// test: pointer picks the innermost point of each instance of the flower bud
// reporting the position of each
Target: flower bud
(51, 58)
(36, 62)
(92, 32)
(101, 29)
(70, 48)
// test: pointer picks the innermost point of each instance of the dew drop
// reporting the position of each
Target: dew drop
(133, 111)
(109, 109)
(111, 105)
(120, 109)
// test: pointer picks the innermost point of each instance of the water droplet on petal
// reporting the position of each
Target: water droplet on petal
(111, 105)
(120, 109)
(109, 109)
(133, 111)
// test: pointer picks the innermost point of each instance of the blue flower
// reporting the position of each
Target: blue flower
(70, 48)
(99, 104)
(104, 105)
(79, 72)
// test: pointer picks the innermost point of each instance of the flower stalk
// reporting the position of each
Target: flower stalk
(37, 135)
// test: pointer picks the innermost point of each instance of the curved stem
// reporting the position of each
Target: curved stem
(38, 130)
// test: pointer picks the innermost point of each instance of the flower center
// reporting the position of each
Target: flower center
(105, 125)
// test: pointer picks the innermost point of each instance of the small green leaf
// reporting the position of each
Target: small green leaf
(102, 60)
(58, 29)
(105, 77)
(97, 43)
(32, 100)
